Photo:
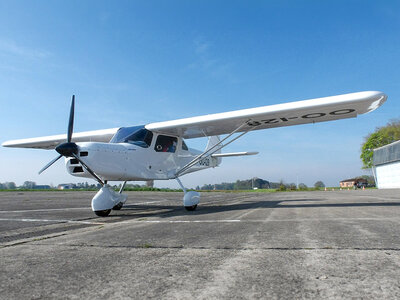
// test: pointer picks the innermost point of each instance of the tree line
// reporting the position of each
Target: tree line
(257, 183)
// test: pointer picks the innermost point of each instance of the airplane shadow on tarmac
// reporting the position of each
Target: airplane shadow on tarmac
(209, 208)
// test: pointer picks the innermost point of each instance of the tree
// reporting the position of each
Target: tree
(10, 185)
(381, 137)
(282, 186)
(303, 187)
(319, 184)
(29, 185)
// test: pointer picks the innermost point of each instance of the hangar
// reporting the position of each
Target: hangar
(387, 166)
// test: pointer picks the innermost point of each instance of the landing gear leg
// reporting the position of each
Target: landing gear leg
(105, 199)
(120, 204)
(190, 199)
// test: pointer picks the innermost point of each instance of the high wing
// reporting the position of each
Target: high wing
(50, 142)
(287, 114)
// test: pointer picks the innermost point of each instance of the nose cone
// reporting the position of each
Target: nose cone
(67, 149)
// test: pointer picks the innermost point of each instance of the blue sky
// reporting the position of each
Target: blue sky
(131, 62)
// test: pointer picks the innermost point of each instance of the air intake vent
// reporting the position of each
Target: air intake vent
(84, 153)
(78, 170)
(74, 161)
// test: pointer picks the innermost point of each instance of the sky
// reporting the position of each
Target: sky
(136, 62)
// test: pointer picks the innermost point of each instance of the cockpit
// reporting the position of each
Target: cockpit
(137, 135)
(140, 136)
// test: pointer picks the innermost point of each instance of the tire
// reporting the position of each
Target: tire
(102, 213)
(191, 208)
(118, 206)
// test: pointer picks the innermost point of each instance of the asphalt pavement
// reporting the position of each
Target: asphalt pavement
(289, 245)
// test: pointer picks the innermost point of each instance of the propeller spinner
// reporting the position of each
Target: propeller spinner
(69, 148)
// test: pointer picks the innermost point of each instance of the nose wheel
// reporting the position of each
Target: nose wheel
(191, 208)
(102, 213)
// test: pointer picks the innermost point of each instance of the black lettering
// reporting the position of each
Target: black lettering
(314, 115)
(342, 112)
(253, 123)
(270, 121)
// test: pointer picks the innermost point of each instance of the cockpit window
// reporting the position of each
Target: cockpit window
(166, 143)
(137, 135)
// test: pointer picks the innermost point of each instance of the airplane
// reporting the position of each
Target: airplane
(157, 151)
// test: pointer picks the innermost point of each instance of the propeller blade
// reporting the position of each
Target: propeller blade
(71, 120)
(88, 169)
(49, 164)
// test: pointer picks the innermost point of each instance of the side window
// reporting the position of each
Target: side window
(184, 146)
(166, 143)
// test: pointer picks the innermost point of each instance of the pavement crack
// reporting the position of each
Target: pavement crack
(40, 238)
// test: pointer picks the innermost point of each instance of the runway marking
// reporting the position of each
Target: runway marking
(185, 221)
(256, 220)
(45, 210)
(193, 221)
(54, 221)
(71, 208)
(148, 202)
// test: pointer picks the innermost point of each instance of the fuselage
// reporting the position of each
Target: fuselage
(157, 157)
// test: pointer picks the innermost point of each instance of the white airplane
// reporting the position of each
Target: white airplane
(157, 151)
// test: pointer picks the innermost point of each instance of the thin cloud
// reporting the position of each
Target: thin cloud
(11, 47)
(207, 62)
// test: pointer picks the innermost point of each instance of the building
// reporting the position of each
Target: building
(349, 183)
(42, 187)
(66, 186)
(386, 168)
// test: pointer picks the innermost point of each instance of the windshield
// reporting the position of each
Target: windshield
(137, 135)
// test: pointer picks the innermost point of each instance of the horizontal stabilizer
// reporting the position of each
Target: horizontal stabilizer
(233, 154)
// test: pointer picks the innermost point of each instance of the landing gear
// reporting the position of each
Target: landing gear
(102, 213)
(190, 199)
(118, 206)
(105, 200)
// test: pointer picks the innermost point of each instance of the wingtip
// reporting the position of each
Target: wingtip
(6, 144)
(379, 97)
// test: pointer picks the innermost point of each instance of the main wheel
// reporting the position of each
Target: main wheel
(102, 213)
(191, 208)
(118, 206)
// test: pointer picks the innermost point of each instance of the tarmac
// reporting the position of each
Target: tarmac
(289, 245)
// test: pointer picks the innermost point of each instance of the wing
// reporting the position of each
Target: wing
(287, 114)
(50, 142)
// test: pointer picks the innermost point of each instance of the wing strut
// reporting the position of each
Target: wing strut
(214, 149)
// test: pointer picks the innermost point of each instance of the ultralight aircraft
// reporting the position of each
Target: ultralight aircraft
(157, 151)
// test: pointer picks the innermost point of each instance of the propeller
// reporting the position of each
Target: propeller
(69, 148)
